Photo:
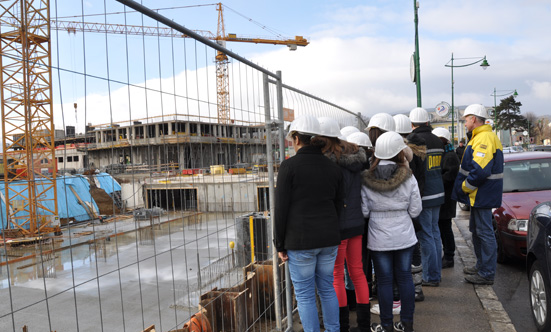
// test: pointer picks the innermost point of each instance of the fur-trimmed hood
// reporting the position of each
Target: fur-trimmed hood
(354, 162)
(418, 150)
(385, 177)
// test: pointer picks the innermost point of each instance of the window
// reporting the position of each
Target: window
(75, 158)
(69, 159)
(60, 159)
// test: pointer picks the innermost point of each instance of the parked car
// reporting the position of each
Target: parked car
(538, 265)
(513, 149)
(541, 148)
(526, 183)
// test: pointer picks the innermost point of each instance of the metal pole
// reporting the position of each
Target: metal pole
(270, 159)
(453, 107)
(416, 56)
(288, 284)
(495, 111)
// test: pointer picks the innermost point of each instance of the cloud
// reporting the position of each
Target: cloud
(541, 90)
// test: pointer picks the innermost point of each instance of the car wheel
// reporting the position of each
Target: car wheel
(539, 297)
(501, 256)
(464, 207)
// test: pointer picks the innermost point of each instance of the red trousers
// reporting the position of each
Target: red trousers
(351, 251)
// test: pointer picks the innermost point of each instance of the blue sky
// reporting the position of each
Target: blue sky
(359, 52)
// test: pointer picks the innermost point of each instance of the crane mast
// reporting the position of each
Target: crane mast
(30, 192)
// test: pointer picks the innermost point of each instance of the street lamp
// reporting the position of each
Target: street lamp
(503, 93)
(484, 64)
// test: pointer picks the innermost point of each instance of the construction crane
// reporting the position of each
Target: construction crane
(27, 109)
(30, 193)
(221, 59)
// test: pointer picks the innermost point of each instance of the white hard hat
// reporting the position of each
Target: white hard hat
(442, 132)
(329, 127)
(476, 109)
(306, 125)
(419, 115)
(383, 121)
(389, 145)
(403, 124)
(360, 139)
(349, 130)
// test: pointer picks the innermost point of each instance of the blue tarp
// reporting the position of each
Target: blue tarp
(107, 183)
(68, 204)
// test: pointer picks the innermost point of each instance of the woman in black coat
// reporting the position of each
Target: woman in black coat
(309, 200)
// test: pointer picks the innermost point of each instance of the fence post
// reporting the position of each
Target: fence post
(288, 285)
(270, 160)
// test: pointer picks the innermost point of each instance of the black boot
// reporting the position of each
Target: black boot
(343, 319)
(363, 318)
(351, 299)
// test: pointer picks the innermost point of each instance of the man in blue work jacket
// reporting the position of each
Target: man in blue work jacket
(480, 185)
(432, 197)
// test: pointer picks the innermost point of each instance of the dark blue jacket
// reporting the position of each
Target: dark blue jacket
(351, 221)
(433, 193)
(480, 179)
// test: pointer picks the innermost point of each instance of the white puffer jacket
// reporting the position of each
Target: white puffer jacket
(390, 198)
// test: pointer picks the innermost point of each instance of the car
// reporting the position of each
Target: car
(526, 183)
(541, 148)
(538, 265)
(513, 149)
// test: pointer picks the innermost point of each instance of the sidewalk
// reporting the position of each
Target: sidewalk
(455, 305)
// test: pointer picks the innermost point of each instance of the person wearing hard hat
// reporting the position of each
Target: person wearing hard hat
(351, 161)
(309, 200)
(450, 168)
(480, 185)
(432, 196)
(418, 149)
(378, 124)
(390, 199)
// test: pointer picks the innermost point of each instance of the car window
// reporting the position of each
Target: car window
(527, 175)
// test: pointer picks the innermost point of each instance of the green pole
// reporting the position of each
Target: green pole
(416, 56)
(452, 108)
(495, 111)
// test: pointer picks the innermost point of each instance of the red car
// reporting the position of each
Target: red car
(526, 183)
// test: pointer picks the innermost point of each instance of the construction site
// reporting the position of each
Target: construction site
(138, 171)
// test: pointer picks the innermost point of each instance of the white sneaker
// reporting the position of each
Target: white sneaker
(396, 308)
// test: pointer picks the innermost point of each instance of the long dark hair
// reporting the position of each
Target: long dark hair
(374, 133)
(334, 145)
(399, 159)
(304, 139)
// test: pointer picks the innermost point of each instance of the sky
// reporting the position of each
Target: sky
(358, 56)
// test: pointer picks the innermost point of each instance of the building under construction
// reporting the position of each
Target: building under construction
(156, 222)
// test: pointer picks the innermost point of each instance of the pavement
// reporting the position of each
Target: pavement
(455, 305)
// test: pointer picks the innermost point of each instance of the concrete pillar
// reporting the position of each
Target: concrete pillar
(157, 130)
(169, 131)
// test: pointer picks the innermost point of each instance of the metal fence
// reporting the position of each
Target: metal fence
(197, 262)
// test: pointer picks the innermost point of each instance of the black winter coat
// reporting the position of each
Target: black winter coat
(433, 192)
(309, 199)
(450, 168)
(351, 219)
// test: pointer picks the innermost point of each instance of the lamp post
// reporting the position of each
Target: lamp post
(484, 64)
(503, 93)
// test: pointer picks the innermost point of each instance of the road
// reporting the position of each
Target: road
(511, 284)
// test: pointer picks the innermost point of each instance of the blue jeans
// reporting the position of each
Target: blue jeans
(389, 265)
(431, 244)
(484, 242)
(311, 269)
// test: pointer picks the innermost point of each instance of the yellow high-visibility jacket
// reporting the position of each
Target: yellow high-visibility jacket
(480, 179)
